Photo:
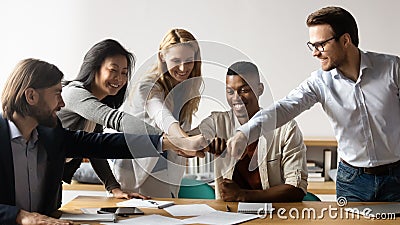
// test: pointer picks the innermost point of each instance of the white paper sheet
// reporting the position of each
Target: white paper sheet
(219, 217)
(189, 210)
(254, 207)
(90, 210)
(89, 217)
(149, 220)
(144, 203)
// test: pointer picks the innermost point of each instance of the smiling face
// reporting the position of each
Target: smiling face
(49, 103)
(241, 98)
(179, 61)
(111, 77)
(333, 55)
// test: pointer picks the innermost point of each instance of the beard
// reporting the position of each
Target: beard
(329, 67)
(44, 115)
(335, 61)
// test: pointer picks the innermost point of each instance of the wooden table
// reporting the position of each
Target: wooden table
(327, 187)
(278, 217)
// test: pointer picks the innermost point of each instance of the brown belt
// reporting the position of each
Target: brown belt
(377, 170)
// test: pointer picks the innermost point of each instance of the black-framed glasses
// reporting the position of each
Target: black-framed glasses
(319, 45)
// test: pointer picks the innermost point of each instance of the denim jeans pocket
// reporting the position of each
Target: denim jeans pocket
(346, 173)
(396, 174)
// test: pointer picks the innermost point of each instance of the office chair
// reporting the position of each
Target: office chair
(311, 197)
(195, 189)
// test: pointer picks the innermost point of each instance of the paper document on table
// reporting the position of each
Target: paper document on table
(90, 210)
(254, 207)
(219, 217)
(150, 220)
(140, 203)
(189, 210)
(89, 217)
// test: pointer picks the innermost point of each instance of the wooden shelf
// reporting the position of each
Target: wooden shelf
(328, 187)
(320, 141)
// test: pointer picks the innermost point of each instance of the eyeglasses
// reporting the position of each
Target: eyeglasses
(319, 45)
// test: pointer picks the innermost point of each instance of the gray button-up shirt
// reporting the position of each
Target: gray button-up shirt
(29, 160)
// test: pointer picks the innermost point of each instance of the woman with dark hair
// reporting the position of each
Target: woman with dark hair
(92, 100)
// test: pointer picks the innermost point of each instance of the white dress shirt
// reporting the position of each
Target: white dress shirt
(365, 114)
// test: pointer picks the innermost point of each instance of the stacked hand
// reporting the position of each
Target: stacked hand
(186, 146)
(194, 146)
(237, 145)
(217, 146)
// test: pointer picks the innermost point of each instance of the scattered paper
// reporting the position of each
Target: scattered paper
(189, 210)
(254, 208)
(150, 220)
(219, 217)
(140, 203)
(90, 210)
(89, 217)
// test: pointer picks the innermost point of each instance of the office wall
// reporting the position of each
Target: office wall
(271, 33)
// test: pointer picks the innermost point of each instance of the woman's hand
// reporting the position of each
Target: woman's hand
(186, 146)
(118, 193)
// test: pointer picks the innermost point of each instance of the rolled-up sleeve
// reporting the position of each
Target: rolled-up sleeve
(156, 107)
(294, 162)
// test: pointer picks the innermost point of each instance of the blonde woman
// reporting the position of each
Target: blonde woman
(166, 97)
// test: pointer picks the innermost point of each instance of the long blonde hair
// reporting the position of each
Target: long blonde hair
(172, 38)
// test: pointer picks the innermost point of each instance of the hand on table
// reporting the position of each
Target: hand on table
(32, 218)
(230, 191)
(118, 193)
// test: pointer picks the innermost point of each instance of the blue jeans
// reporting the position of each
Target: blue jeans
(357, 186)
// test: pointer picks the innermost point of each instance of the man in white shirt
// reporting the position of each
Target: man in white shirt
(359, 91)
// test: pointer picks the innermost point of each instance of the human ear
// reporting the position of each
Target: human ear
(31, 96)
(346, 39)
(161, 56)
